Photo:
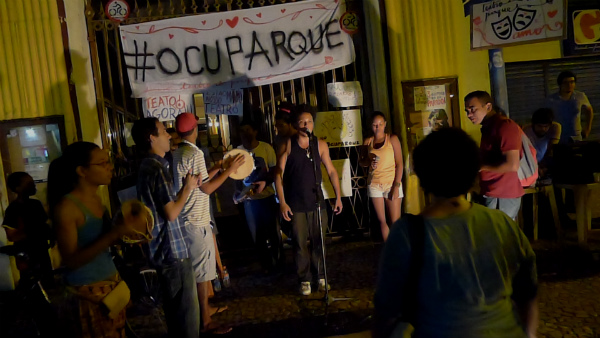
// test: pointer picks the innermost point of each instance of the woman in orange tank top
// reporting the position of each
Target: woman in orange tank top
(385, 173)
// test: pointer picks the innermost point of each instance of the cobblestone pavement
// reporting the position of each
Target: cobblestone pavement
(263, 305)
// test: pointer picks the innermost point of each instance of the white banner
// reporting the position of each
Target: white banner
(345, 94)
(166, 107)
(501, 23)
(226, 102)
(235, 49)
(344, 174)
(339, 128)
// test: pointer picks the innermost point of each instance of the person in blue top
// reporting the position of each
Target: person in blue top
(569, 106)
(477, 277)
(84, 233)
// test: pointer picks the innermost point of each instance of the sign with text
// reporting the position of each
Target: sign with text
(226, 102)
(500, 23)
(236, 49)
(345, 94)
(344, 175)
(339, 128)
(584, 37)
(166, 107)
(428, 98)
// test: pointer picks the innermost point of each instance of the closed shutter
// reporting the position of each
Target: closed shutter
(528, 84)
(526, 90)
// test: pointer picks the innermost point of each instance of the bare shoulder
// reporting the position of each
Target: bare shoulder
(368, 140)
(67, 211)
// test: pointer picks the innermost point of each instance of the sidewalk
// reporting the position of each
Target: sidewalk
(270, 306)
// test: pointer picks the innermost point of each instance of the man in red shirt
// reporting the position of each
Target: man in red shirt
(501, 151)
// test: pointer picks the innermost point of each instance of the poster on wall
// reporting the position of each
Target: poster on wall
(224, 102)
(584, 32)
(236, 49)
(166, 107)
(496, 24)
(344, 175)
(341, 128)
(345, 94)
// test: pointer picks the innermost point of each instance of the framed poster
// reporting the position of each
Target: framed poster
(429, 105)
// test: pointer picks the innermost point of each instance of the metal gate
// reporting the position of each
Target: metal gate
(116, 107)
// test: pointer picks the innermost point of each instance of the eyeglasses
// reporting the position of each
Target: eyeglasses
(104, 164)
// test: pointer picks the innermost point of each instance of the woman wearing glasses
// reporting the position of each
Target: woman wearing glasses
(84, 234)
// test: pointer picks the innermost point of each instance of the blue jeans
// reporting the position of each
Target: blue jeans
(261, 216)
(180, 298)
(510, 206)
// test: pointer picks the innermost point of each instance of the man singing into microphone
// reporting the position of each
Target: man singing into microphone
(297, 189)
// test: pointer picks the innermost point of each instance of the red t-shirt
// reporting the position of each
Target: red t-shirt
(499, 135)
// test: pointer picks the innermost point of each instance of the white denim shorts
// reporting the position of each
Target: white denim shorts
(383, 190)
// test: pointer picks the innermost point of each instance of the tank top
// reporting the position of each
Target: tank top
(299, 178)
(100, 267)
(386, 168)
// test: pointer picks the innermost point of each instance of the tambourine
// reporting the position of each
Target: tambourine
(245, 169)
(143, 230)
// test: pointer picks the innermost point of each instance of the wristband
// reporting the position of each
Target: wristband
(397, 184)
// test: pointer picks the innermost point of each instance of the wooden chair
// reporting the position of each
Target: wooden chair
(548, 191)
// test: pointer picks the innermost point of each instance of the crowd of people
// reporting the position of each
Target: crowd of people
(459, 269)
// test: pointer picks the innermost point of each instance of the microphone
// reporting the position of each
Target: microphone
(309, 133)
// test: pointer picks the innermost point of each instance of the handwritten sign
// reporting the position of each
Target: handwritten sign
(345, 94)
(428, 98)
(339, 128)
(344, 175)
(501, 23)
(236, 49)
(226, 102)
(166, 107)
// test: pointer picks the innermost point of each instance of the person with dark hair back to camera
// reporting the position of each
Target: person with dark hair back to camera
(168, 250)
(25, 221)
(284, 125)
(297, 190)
(568, 106)
(501, 151)
(458, 269)
(543, 133)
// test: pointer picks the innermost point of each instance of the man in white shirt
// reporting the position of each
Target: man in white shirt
(260, 205)
(188, 158)
(568, 106)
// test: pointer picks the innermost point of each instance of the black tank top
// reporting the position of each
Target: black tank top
(299, 178)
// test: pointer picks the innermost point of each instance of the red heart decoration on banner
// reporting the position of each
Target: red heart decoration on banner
(311, 16)
(233, 22)
(283, 10)
(477, 21)
(328, 60)
(137, 27)
(123, 37)
(204, 22)
(259, 15)
(553, 13)
(171, 36)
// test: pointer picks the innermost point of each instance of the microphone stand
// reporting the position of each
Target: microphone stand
(327, 299)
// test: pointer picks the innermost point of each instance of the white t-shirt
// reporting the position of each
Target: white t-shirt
(196, 211)
(264, 159)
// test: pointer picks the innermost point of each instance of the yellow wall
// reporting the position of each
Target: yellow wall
(430, 39)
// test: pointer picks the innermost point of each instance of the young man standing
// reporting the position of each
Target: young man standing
(297, 190)
(195, 215)
(168, 250)
(260, 205)
(569, 105)
(501, 151)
